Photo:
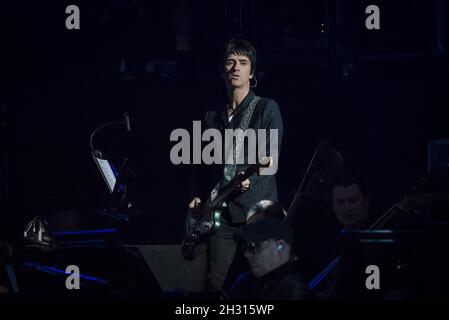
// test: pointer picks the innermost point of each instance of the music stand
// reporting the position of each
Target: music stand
(108, 171)
(116, 181)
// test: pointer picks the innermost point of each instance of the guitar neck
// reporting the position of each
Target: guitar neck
(233, 185)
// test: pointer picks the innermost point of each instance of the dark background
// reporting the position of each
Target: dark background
(380, 96)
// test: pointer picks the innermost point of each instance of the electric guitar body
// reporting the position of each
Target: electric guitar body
(203, 222)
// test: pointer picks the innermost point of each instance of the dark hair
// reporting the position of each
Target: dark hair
(240, 47)
(347, 178)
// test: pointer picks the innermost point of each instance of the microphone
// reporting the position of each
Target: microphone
(127, 122)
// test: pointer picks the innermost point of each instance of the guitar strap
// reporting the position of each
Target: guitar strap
(230, 166)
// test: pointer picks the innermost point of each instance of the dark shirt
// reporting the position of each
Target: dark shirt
(266, 116)
(283, 283)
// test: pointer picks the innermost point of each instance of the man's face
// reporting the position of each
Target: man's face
(237, 71)
(263, 258)
(350, 206)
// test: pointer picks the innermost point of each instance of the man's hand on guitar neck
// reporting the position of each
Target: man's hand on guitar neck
(195, 203)
(244, 185)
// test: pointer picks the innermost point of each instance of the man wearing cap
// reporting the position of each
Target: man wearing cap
(264, 209)
(267, 246)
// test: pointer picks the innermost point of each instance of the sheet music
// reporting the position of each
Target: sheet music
(108, 174)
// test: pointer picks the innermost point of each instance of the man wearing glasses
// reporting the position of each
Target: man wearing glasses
(267, 245)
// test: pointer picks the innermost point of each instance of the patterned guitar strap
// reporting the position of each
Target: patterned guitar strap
(230, 166)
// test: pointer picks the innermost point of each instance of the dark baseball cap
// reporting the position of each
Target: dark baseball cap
(265, 229)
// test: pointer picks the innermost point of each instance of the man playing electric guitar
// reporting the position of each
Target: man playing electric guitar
(243, 110)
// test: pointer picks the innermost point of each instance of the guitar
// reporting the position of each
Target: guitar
(203, 222)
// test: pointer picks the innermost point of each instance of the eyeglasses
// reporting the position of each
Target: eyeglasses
(254, 248)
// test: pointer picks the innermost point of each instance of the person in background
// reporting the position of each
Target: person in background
(262, 210)
(350, 202)
(267, 245)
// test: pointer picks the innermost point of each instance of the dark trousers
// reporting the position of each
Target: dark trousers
(221, 251)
